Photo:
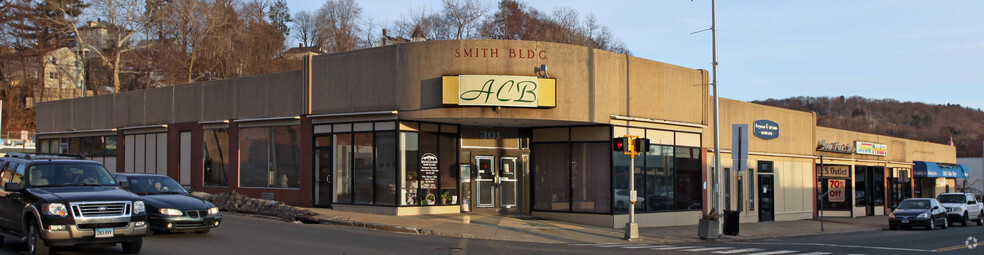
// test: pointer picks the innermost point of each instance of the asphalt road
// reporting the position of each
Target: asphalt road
(243, 235)
(954, 240)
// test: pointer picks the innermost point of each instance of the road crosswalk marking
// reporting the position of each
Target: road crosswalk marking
(675, 248)
(773, 252)
(746, 250)
(710, 249)
(702, 249)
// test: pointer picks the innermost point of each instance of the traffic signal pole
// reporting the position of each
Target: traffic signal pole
(635, 147)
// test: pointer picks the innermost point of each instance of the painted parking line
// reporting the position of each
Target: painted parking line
(814, 253)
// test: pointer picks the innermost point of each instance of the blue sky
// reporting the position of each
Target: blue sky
(928, 51)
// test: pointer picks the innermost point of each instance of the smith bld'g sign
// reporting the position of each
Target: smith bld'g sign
(499, 90)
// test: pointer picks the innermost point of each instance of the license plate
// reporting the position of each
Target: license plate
(905, 221)
(104, 232)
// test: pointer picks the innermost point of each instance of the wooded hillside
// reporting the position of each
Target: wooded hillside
(911, 120)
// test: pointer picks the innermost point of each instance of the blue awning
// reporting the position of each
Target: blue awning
(936, 170)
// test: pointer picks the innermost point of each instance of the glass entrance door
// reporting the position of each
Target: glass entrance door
(507, 182)
(322, 182)
(485, 181)
(497, 182)
(766, 194)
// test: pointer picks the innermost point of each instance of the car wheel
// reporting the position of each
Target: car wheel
(964, 220)
(203, 231)
(36, 245)
(133, 247)
(932, 224)
(946, 223)
(980, 218)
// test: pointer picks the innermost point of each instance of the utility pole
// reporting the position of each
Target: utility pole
(718, 177)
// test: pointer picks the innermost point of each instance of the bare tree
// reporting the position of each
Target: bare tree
(304, 25)
(190, 24)
(339, 25)
(463, 14)
(125, 19)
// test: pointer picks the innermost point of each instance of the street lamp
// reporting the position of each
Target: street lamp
(718, 177)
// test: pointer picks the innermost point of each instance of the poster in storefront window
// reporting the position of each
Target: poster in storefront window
(428, 171)
(835, 190)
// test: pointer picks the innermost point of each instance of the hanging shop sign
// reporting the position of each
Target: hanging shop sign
(766, 129)
(835, 190)
(499, 90)
(871, 148)
(835, 147)
(428, 171)
(834, 171)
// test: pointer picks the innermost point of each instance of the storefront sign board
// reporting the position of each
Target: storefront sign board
(871, 148)
(766, 129)
(834, 171)
(499, 90)
(835, 190)
(428, 171)
(835, 147)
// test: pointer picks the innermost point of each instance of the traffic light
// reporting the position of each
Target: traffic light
(641, 144)
(620, 143)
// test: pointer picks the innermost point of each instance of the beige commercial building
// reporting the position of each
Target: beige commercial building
(473, 126)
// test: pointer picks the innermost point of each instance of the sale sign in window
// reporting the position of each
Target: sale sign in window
(835, 190)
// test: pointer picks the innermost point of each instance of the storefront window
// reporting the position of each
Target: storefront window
(110, 146)
(591, 180)
(45, 145)
(659, 178)
(411, 173)
(362, 167)
(86, 147)
(859, 181)
(620, 163)
(216, 163)
(688, 179)
(552, 186)
(98, 146)
(343, 168)
(269, 157)
(448, 168)
(75, 145)
(385, 172)
(428, 176)
(878, 186)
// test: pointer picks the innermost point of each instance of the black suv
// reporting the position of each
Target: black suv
(65, 200)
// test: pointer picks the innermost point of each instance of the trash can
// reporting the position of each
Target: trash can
(730, 222)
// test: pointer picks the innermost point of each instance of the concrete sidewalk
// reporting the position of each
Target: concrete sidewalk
(531, 229)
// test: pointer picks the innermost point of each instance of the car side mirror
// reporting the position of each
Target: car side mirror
(970, 202)
(936, 207)
(125, 185)
(13, 187)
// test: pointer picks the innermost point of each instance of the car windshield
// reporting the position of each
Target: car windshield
(952, 198)
(150, 185)
(69, 174)
(914, 204)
